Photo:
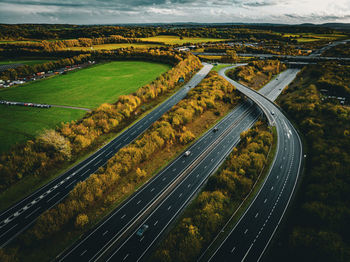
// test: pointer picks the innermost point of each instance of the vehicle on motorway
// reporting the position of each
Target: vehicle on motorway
(272, 113)
(215, 129)
(142, 230)
(187, 153)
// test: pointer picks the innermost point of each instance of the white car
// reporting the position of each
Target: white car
(187, 153)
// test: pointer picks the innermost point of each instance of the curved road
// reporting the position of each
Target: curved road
(21, 215)
(252, 234)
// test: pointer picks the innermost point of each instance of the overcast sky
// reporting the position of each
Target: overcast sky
(151, 11)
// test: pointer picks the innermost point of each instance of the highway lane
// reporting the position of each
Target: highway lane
(22, 214)
(251, 236)
(135, 248)
(126, 218)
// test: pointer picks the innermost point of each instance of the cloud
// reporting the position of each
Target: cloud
(141, 11)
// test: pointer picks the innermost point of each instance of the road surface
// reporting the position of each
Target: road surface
(251, 236)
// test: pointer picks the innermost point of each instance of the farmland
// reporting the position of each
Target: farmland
(18, 124)
(89, 87)
(175, 40)
(114, 46)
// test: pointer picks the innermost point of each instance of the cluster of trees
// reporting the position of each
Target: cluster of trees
(257, 73)
(50, 46)
(26, 70)
(319, 226)
(214, 205)
(281, 49)
(124, 171)
(51, 149)
(59, 31)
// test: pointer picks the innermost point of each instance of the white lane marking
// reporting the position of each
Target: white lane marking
(123, 216)
(277, 177)
(163, 178)
(98, 162)
(205, 167)
(265, 200)
(174, 169)
(32, 212)
(233, 249)
(52, 197)
(271, 188)
(142, 238)
(169, 207)
(82, 254)
(85, 172)
(156, 223)
(105, 232)
(180, 195)
(152, 189)
(109, 153)
(71, 183)
(126, 256)
(256, 215)
(138, 202)
(245, 231)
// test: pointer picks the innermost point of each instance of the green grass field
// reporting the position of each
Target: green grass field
(310, 37)
(173, 40)
(25, 62)
(18, 124)
(89, 87)
(114, 46)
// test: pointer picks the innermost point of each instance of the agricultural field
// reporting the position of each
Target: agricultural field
(309, 37)
(24, 62)
(175, 40)
(114, 46)
(89, 87)
(19, 123)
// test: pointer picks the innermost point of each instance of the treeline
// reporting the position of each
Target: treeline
(281, 49)
(126, 170)
(211, 209)
(318, 229)
(127, 53)
(46, 31)
(63, 145)
(26, 70)
(62, 44)
(257, 73)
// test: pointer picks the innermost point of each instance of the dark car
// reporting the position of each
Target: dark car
(142, 230)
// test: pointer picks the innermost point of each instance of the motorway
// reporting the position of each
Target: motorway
(122, 223)
(250, 237)
(159, 202)
(25, 212)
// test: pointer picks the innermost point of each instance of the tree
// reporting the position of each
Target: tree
(81, 221)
